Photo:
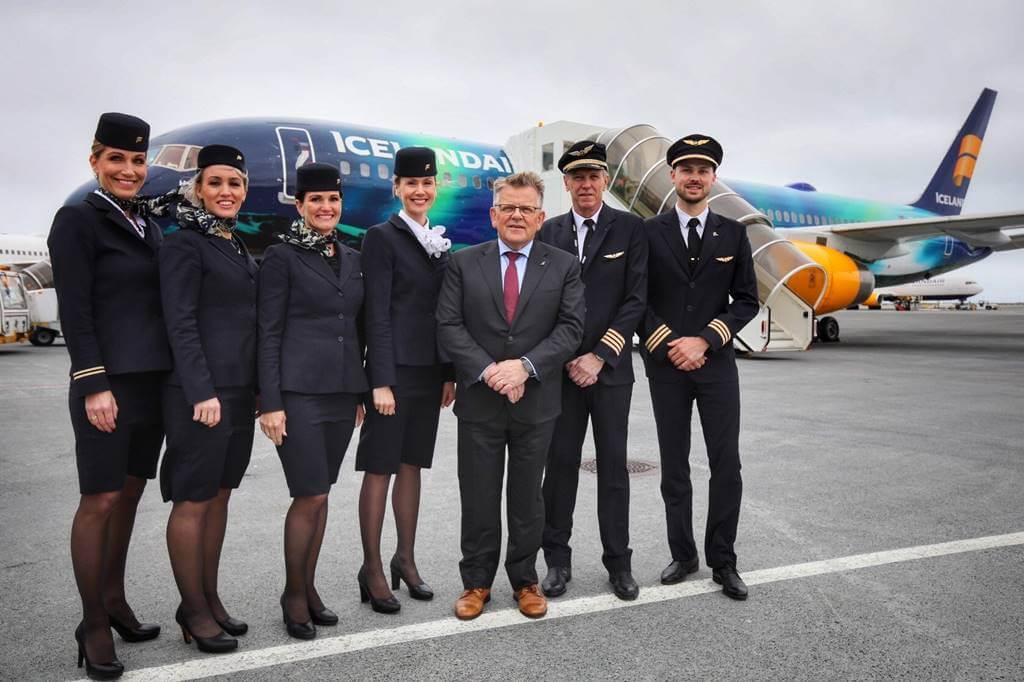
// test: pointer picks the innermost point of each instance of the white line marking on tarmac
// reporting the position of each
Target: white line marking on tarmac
(490, 620)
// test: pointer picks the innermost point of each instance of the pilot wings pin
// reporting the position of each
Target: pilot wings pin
(723, 259)
(613, 256)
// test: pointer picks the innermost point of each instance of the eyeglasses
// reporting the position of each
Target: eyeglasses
(509, 209)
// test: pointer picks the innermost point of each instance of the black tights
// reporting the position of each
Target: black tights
(195, 536)
(405, 501)
(303, 535)
(100, 535)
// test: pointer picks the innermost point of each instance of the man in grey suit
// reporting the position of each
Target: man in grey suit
(510, 315)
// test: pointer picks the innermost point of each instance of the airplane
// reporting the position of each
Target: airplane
(946, 288)
(20, 251)
(819, 253)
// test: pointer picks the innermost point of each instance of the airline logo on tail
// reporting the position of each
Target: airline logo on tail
(970, 148)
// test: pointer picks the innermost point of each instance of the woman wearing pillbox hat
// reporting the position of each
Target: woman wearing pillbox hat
(208, 282)
(104, 256)
(404, 259)
(311, 377)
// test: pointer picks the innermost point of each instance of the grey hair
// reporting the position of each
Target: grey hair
(189, 189)
(520, 180)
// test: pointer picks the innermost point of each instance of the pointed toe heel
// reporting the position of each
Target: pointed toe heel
(218, 644)
(421, 592)
(389, 605)
(96, 671)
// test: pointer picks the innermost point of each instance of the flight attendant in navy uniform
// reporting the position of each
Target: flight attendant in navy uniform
(404, 260)
(311, 376)
(208, 284)
(701, 292)
(104, 255)
(598, 381)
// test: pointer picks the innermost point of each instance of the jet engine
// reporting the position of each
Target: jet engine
(848, 282)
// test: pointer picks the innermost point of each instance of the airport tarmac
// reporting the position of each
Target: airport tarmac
(882, 536)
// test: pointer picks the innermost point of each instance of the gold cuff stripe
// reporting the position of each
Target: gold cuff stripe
(580, 162)
(83, 375)
(615, 335)
(88, 370)
(655, 339)
(721, 329)
(612, 343)
(653, 334)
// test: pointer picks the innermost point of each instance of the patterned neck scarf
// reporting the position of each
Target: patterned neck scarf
(136, 205)
(303, 236)
(202, 221)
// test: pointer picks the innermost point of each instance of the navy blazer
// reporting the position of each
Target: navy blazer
(402, 284)
(108, 292)
(683, 304)
(546, 328)
(310, 337)
(615, 281)
(209, 298)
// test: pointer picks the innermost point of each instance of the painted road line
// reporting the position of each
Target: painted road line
(490, 620)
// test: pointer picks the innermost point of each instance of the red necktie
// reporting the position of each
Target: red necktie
(511, 286)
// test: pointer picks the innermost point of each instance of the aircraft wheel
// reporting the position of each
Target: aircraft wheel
(828, 329)
(41, 337)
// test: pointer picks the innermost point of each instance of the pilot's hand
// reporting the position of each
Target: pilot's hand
(207, 412)
(584, 370)
(101, 410)
(273, 426)
(448, 394)
(384, 401)
(687, 352)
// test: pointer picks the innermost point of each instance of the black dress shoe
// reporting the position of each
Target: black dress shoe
(623, 585)
(96, 671)
(677, 571)
(297, 630)
(220, 643)
(139, 633)
(388, 605)
(233, 626)
(732, 585)
(554, 583)
(421, 591)
(323, 617)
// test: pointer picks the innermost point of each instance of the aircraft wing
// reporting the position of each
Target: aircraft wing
(987, 229)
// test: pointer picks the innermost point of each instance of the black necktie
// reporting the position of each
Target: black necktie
(693, 242)
(589, 224)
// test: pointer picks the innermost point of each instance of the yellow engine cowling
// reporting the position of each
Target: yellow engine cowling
(849, 282)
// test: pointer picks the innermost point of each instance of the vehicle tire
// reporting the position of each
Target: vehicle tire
(828, 329)
(41, 337)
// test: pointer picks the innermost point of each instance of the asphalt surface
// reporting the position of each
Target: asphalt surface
(906, 433)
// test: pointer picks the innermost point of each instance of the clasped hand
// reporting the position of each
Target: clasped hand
(584, 370)
(687, 353)
(508, 378)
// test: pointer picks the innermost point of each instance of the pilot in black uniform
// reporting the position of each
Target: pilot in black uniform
(404, 260)
(598, 381)
(104, 255)
(208, 284)
(311, 376)
(701, 292)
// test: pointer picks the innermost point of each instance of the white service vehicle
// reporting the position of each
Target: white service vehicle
(14, 319)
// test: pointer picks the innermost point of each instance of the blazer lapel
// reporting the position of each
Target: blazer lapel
(536, 267)
(670, 232)
(565, 237)
(115, 215)
(315, 262)
(224, 247)
(604, 221)
(345, 262)
(490, 268)
(709, 242)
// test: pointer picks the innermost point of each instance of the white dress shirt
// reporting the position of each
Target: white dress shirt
(684, 218)
(581, 229)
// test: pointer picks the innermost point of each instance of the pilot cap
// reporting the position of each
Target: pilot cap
(695, 146)
(415, 162)
(317, 177)
(122, 131)
(220, 155)
(583, 155)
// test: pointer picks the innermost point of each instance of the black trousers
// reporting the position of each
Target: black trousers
(719, 406)
(481, 470)
(607, 409)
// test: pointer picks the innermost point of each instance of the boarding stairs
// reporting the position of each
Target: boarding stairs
(640, 184)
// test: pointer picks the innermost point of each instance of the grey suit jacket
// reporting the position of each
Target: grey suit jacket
(547, 328)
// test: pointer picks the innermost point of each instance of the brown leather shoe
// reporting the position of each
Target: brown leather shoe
(471, 603)
(532, 603)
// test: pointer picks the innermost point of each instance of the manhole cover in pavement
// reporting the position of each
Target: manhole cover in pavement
(633, 466)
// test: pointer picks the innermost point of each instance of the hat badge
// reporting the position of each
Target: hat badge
(581, 152)
(138, 138)
(696, 143)
(426, 166)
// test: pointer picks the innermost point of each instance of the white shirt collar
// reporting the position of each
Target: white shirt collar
(416, 227)
(504, 248)
(578, 219)
(684, 218)
(138, 220)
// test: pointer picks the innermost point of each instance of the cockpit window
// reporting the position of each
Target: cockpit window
(179, 157)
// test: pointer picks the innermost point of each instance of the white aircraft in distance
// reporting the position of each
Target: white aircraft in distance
(18, 251)
(945, 288)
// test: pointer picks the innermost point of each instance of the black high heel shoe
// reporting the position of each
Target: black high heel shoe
(297, 630)
(140, 633)
(233, 626)
(323, 616)
(96, 671)
(389, 605)
(218, 644)
(421, 591)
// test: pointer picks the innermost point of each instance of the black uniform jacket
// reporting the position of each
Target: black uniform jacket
(402, 284)
(546, 328)
(681, 304)
(615, 277)
(309, 324)
(108, 292)
(209, 296)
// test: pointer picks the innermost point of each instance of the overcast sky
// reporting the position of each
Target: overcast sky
(860, 98)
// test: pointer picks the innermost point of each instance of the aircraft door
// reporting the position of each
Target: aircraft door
(949, 247)
(296, 150)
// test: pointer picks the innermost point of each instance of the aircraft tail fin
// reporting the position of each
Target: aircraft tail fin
(948, 187)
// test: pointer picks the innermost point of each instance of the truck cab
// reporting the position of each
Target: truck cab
(14, 320)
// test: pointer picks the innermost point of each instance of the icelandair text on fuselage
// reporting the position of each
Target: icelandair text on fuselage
(385, 149)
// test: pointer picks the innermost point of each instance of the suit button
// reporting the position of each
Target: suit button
(341, 293)
(689, 308)
(511, 338)
(693, 285)
(341, 316)
(341, 339)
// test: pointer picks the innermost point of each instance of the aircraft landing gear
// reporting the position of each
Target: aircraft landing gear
(828, 329)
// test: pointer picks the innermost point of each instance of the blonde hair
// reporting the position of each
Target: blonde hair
(97, 148)
(190, 189)
(520, 180)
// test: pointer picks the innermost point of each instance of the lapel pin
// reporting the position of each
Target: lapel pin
(543, 263)
(714, 234)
